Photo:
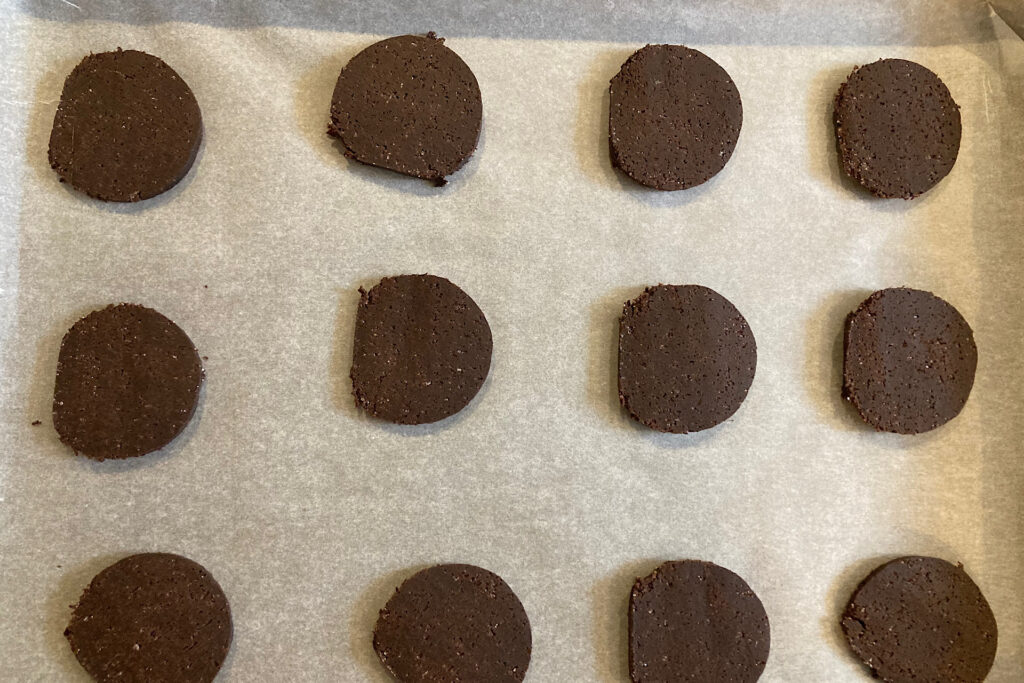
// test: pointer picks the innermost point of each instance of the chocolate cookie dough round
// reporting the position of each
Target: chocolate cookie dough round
(127, 127)
(150, 618)
(422, 349)
(696, 621)
(674, 117)
(897, 128)
(454, 622)
(127, 383)
(686, 358)
(908, 361)
(921, 619)
(408, 104)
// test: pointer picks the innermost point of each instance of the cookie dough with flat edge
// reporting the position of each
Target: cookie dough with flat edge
(897, 128)
(686, 358)
(454, 622)
(150, 618)
(695, 621)
(422, 349)
(674, 117)
(127, 383)
(408, 104)
(909, 360)
(921, 619)
(127, 127)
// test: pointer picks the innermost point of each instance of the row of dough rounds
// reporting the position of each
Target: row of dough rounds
(128, 378)
(162, 617)
(128, 127)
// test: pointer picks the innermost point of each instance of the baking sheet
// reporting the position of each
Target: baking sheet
(309, 514)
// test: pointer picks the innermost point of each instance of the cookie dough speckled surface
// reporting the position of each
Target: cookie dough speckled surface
(408, 104)
(127, 127)
(454, 622)
(152, 618)
(909, 360)
(674, 118)
(695, 621)
(921, 619)
(897, 127)
(686, 358)
(127, 383)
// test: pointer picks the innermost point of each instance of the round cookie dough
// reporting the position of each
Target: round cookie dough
(408, 104)
(686, 358)
(422, 349)
(696, 621)
(674, 117)
(921, 619)
(454, 622)
(897, 128)
(908, 361)
(127, 383)
(127, 127)
(150, 618)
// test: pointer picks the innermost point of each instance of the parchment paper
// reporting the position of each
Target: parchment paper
(309, 514)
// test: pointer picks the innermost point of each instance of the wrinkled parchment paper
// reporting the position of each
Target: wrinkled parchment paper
(310, 514)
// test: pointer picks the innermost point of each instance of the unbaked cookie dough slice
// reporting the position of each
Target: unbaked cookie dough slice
(674, 117)
(422, 349)
(152, 618)
(696, 621)
(686, 358)
(921, 619)
(127, 127)
(454, 622)
(127, 383)
(408, 104)
(897, 128)
(908, 361)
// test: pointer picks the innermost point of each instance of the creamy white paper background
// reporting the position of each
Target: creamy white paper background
(309, 514)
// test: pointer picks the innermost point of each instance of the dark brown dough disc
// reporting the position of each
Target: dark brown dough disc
(127, 127)
(897, 127)
(454, 622)
(151, 618)
(696, 621)
(422, 349)
(686, 358)
(127, 383)
(909, 361)
(408, 104)
(674, 117)
(921, 619)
